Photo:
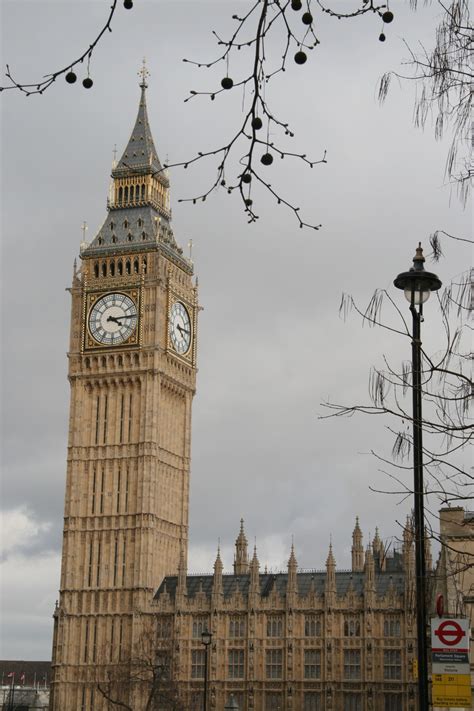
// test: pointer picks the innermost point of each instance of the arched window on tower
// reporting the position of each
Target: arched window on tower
(112, 268)
(120, 195)
(144, 265)
(143, 191)
(128, 266)
(126, 193)
(137, 193)
(135, 266)
(96, 270)
(104, 268)
(120, 267)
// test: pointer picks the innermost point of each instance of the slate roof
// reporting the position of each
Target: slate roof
(269, 581)
(140, 154)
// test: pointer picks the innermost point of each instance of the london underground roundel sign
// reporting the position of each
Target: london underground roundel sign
(450, 633)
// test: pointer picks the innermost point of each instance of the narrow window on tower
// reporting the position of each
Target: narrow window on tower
(122, 406)
(92, 698)
(83, 699)
(130, 403)
(112, 639)
(94, 643)
(102, 491)
(91, 554)
(99, 545)
(123, 561)
(119, 477)
(97, 420)
(106, 403)
(120, 640)
(126, 490)
(94, 476)
(115, 561)
(86, 642)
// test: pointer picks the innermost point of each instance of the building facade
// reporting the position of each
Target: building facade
(290, 641)
(454, 575)
(296, 640)
(132, 374)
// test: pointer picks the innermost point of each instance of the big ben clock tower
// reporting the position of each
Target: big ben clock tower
(132, 373)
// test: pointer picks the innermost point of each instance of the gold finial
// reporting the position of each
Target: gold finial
(143, 73)
(84, 229)
(114, 153)
(190, 245)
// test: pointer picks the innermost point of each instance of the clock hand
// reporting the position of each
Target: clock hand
(181, 329)
(116, 318)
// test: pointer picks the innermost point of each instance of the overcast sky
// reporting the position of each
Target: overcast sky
(271, 345)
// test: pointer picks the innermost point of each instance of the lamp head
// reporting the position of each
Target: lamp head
(206, 638)
(417, 284)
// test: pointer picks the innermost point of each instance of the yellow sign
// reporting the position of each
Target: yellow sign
(452, 690)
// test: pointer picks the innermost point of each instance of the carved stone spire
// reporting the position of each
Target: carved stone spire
(357, 548)
(254, 573)
(241, 559)
(181, 589)
(330, 583)
(292, 572)
(217, 579)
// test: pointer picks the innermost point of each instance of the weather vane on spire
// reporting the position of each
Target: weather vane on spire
(143, 73)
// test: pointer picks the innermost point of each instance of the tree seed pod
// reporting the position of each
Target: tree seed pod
(296, 5)
(227, 83)
(128, 4)
(307, 18)
(87, 83)
(387, 16)
(300, 57)
(246, 178)
(257, 123)
(71, 77)
(266, 159)
(248, 202)
(382, 37)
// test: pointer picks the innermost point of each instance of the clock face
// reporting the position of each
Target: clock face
(180, 328)
(112, 319)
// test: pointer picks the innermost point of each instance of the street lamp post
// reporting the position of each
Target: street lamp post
(206, 639)
(417, 285)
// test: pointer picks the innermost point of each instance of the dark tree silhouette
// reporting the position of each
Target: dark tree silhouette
(145, 681)
(443, 75)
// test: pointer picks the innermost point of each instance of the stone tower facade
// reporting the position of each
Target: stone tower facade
(132, 374)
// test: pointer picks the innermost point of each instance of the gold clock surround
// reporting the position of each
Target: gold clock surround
(91, 298)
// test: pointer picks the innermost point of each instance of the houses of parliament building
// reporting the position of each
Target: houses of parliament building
(289, 641)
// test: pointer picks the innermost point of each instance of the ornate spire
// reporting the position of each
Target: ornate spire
(292, 571)
(139, 214)
(217, 579)
(182, 574)
(254, 572)
(140, 154)
(330, 585)
(357, 548)
(241, 560)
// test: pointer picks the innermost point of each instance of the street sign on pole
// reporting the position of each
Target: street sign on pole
(451, 675)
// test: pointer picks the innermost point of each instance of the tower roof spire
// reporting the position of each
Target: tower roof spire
(140, 154)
